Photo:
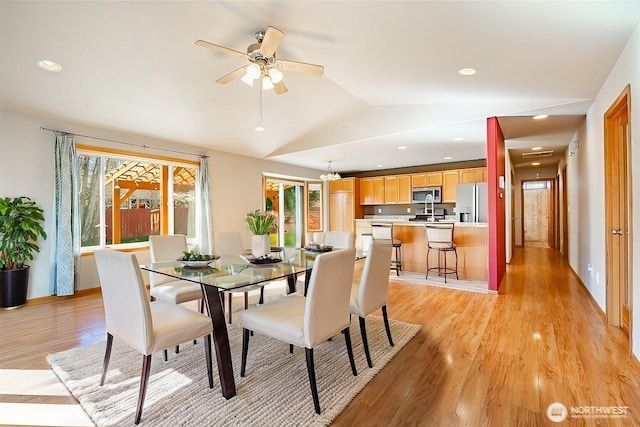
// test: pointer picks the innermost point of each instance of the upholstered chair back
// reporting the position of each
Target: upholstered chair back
(374, 282)
(126, 304)
(165, 248)
(440, 236)
(340, 239)
(327, 304)
(229, 243)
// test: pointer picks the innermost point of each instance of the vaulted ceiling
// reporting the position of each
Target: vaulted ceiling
(390, 75)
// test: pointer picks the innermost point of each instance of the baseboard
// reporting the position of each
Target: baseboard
(52, 298)
(592, 300)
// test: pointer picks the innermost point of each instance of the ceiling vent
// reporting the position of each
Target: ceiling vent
(537, 154)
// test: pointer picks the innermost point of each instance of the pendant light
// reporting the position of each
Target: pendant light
(330, 175)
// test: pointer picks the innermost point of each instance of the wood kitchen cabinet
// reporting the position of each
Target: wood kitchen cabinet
(344, 206)
(427, 179)
(346, 184)
(391, 190)
(397, 189)
(372, 191)
(449, 184)
(472, 175)
(404, 189)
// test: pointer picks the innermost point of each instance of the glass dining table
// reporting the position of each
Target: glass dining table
(235, 272)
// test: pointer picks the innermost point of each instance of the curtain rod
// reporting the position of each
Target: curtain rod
(127, 143)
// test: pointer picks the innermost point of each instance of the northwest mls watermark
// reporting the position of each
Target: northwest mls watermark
(557, 412)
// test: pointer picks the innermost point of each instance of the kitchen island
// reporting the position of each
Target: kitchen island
(470, 240)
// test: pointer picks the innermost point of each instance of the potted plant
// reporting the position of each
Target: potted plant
(20, 227)
(260, 224)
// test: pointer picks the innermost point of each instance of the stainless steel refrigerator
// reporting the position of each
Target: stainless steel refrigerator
(471, 202)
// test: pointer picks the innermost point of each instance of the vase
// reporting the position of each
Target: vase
(260, 245)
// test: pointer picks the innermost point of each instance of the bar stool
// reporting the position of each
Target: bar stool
(384, 231)
(440, 238)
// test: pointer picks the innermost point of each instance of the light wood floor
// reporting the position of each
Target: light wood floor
(479, 360)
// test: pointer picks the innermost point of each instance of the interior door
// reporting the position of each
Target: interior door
(617, 183)
(513, 213)
(565, 215)
(536, 208)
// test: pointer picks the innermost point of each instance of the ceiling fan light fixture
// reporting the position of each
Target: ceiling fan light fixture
(253, 71)
(266, 83)
(276, 75)
(247, 79)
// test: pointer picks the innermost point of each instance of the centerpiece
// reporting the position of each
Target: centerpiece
(260, 224)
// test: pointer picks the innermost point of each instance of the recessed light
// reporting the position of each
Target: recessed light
(49, 66)
(535, 164)
(540, 117)
(448, 158)
(536, 148)
(459, 138)
(467, 71)
(259, 128)
(402, 147)
(378, 166)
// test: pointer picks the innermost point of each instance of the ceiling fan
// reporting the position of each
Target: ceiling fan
(263, 63)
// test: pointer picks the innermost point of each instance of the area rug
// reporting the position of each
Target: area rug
(275, 390)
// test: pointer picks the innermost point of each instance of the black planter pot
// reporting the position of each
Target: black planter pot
(13, 287)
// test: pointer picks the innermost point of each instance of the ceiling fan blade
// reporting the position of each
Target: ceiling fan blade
(221, 48)
(302, 67)
(271, 41)
(279, 88)
(232, 75)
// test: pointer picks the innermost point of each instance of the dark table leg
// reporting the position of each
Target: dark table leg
(220, 341)
(291, 283)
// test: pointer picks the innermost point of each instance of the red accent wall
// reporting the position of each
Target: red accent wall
(495, 169)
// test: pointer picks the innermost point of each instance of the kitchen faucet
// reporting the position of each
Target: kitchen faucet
(427, 200)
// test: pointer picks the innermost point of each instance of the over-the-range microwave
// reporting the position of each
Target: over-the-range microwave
(419, 194)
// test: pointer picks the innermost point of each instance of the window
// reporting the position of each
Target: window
(125, 198)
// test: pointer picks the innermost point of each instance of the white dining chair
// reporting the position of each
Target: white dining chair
(145, 326)
(371, 293)
(164, 248)
(308, 322)
(164, 288)
(339, 239)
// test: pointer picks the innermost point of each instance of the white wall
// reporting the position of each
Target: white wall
(509, 188)
(26, 168)
(585, 184)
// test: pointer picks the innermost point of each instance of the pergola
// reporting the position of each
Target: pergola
(135, 175)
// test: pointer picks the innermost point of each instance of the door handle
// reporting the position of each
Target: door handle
(614, 232)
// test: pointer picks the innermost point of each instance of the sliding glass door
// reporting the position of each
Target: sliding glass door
(285, 199)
